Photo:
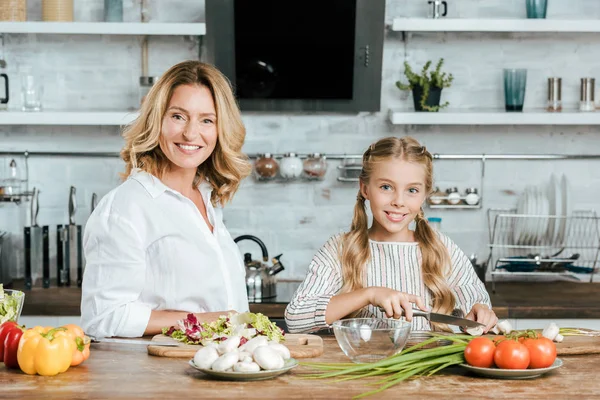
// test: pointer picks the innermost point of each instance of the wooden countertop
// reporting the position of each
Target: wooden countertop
(511, 300)
(123, 371)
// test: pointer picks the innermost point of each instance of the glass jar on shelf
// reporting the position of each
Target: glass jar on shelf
(265, 167)
(437, 197)
(453, 197)
(290, 166)
(472, 197)
(315, 166)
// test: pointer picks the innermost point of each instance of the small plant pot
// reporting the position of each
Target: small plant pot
(435, 93)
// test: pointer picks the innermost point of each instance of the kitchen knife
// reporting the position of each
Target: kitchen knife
(444, 319)
(62, 269)
(74, 253)
(34, 244)
(134, 341)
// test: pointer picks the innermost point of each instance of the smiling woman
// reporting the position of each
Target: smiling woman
(156, 247)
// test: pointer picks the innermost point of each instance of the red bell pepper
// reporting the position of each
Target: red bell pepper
(4, 328)
(10, 338)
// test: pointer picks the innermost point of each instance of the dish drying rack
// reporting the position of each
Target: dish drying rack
(547, 247)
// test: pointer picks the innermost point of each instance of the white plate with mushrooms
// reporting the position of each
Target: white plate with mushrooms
(248, 376)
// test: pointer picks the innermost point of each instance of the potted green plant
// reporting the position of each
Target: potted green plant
(427, 86)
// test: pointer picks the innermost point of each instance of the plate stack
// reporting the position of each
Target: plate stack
(542, 213)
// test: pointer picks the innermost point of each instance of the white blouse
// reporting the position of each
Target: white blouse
(147, 247)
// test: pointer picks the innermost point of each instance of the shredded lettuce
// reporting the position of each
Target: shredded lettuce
(9, 305)
(247, 325)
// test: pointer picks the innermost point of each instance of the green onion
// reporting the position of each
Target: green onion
(399, 367)
(578, 332)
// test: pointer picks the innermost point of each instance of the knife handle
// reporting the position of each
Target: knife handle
(416, 312)
(72, 205)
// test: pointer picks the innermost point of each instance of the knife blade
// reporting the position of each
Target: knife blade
(134, 342)
(444, 319)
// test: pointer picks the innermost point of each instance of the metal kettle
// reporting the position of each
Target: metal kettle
(261, 282)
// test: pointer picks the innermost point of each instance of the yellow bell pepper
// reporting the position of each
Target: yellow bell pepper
(82, 344)
(45, 351)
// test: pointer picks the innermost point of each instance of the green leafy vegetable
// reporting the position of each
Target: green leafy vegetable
(246, 325)
(9, 305)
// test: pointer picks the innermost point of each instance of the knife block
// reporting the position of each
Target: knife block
(69, 255)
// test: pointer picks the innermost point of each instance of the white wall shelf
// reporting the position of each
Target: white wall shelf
(493, 117)
(67, 117)
(104, 28)
(494, 25)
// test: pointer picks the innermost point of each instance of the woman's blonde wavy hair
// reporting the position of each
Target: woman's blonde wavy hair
(355, 249)
(226, 166)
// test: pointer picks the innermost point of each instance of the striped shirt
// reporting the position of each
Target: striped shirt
(393, 265)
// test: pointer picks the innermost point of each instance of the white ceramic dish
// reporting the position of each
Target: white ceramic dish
(551, 193)
(566, 208)
(519, 228)
(513, 373)
(248, 376)
(542, 209)
(559, 211)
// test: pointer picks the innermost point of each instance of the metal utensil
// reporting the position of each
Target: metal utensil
(69, 257)
(134, 342)
(34, 244)
(444, 319)
(74, 242)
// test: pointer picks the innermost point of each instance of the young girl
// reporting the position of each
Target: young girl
(388, 266)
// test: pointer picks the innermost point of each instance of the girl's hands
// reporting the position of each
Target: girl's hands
(484, 315)
(395, 303)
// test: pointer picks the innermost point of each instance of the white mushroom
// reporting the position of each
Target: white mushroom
(246, 367)
(477, 331)
(559, 338)
(268, 358)
(245, 354)
(229, 345)
(226, 361)
(365, 332)
(283, 351)
(505, 326)
(551, 331)
(253, 343)
(205, 357)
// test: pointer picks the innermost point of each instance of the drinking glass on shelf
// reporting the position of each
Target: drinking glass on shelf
(31, 92)
(536, 8)
(515, 82)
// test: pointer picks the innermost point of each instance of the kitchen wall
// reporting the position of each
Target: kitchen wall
(100, 73)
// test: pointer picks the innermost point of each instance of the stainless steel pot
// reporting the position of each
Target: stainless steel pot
(261, 282)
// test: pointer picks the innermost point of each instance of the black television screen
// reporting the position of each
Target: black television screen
(308, 55)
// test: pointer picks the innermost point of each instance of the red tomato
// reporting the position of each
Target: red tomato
(511, 354)
(542, 352)
(480, 352)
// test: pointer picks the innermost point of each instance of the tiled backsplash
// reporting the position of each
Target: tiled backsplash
(100, 72)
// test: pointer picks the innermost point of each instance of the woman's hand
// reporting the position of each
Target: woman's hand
(393, 302)
(484, 315)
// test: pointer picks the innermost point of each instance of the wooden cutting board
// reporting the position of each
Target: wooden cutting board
(300, 345)
(573, 345)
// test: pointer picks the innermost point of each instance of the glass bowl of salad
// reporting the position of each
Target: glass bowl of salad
(366, 340)
(11, 304)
